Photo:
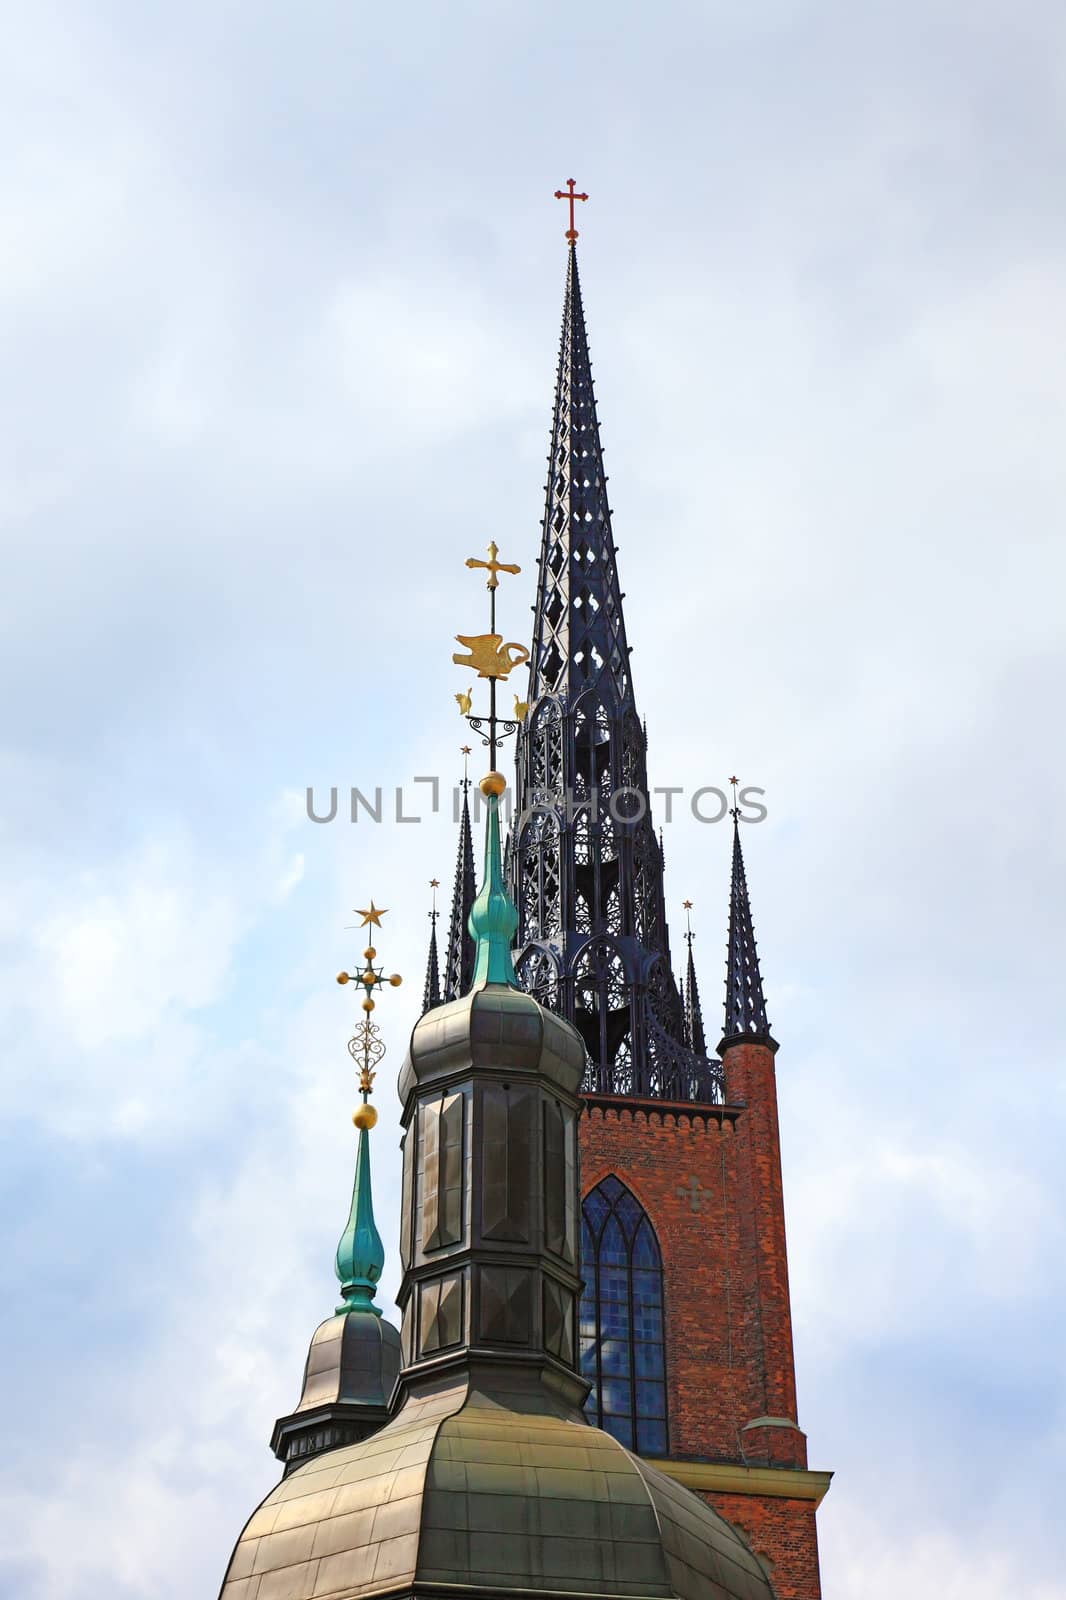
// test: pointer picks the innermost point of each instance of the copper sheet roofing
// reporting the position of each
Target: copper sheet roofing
(460, 1489)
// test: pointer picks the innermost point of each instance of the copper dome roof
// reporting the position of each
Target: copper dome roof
(490, 1490)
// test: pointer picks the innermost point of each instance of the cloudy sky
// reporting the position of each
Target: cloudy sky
(280, 290)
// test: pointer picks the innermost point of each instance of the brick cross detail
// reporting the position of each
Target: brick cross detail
(693, 1190)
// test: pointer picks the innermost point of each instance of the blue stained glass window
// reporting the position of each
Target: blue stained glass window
(620, 1428)
(645, 1247)
(617, 1396)
(622, 1319)
(651, 1436)
(614, 1357)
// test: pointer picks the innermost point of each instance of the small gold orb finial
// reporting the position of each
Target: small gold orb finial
(493, 783)
(342, 977)
(369, 953)
(368, 1004)
(364, 1117)
(368, 978)
(396, 980)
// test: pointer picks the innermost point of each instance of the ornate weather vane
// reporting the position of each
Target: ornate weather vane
(366, 1046)
(491, 658)
(568, 194)
(735, 810)
(689, 935)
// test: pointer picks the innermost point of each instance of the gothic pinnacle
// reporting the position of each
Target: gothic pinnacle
(693, 1013)
(459, 952)
(431, 988)
(745, 1004)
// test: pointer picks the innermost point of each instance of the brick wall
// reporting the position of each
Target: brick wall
(709, 1178)
(783, 1534)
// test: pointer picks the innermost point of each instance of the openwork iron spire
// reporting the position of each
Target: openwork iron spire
(586, 866)
(579, 639)
(459, 956)
(431, 989)
(745, 1005)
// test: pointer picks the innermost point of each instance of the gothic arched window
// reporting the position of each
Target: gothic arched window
(622, 1319)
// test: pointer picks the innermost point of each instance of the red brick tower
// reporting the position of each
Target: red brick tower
(708, 1178)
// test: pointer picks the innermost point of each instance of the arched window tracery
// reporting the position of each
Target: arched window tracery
(546, 754)
(622, 1344)
(538, 975)
(601, 1002)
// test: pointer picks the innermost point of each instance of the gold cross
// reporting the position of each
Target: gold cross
(493, 566)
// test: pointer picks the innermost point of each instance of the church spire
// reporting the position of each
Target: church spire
(745, 1005)
(360, 1253)
(354, 1358)
(579, 634)
(694, 1034)
(431, 988)
(459, 954)
(585, 864)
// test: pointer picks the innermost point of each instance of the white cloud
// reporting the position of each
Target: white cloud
(152, 936)
(877, 1560)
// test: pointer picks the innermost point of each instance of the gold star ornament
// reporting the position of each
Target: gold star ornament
(372, 916)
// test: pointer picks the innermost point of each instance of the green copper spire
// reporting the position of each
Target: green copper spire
(360, 1254)
(493, 918)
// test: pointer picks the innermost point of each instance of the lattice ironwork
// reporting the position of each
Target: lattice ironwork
(538, 975)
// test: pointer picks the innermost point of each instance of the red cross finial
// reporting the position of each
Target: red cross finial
(568, 194)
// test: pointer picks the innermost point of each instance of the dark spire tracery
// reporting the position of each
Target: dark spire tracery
(695, 1037)
(745, 1004)
(459, 955)
(585, 863)
(431, 990)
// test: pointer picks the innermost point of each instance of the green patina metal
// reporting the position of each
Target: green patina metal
(360, 1254)
(493, 918)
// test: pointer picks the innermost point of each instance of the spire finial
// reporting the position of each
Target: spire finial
(431, 988)
(745, 1004)
(569, 194)
(360, 1253)
(488, 656)
(458, 951)
(690, 994)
